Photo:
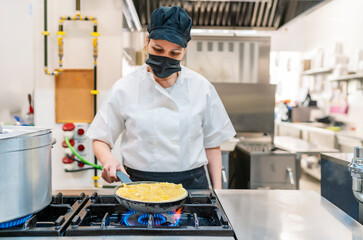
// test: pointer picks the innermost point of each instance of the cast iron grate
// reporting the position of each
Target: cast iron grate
(51, 221)
(201, 215)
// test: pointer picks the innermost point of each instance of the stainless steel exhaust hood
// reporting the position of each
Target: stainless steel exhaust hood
(232, 14)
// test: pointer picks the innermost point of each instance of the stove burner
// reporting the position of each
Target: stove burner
(126, 216)
(158, 219)
(170, 219)
(15, 222)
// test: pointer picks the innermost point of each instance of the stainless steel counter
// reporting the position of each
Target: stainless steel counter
(296, 145)
(286, 214)
(344, 139)
(312, 127)
(265, 214)
(351, 134)
(339, 158)
(123, 237)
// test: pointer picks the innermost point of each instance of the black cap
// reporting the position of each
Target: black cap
(172, 24)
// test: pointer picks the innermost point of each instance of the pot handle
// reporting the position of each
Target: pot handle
(123, 177)
(54, 141)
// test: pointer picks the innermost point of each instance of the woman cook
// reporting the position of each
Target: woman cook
(172, 119)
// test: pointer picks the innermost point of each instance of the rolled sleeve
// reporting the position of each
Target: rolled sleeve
(217, 127)
(108, 123)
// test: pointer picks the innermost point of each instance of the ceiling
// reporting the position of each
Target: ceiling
(226, 14)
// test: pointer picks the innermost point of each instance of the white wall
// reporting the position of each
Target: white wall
(21, 54)
(337, 21)
(78, 51)
(78, 41)
(16, 57)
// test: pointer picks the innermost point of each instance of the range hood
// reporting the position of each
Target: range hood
(227, 14)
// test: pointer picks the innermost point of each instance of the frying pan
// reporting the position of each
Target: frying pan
(145, 207)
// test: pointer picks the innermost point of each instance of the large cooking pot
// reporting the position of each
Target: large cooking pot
(25, 171)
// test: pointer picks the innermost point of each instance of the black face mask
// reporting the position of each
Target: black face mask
(163, 66)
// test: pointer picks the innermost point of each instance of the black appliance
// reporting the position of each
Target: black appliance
(98, 215)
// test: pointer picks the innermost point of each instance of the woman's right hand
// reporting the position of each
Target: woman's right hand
(110, 164)
(109, 170)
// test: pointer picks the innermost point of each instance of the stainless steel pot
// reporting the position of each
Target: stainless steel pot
(25, 171)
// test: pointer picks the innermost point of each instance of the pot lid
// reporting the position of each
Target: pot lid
(8, 132)
(19, 138)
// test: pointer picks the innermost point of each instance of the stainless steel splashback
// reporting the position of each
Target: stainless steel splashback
(249, 106)
(244, 59)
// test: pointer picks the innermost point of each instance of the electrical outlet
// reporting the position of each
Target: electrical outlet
(81, 144)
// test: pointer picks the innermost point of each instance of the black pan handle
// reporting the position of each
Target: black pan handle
(123, 177)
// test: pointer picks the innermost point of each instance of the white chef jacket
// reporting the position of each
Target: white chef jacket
(162, 132)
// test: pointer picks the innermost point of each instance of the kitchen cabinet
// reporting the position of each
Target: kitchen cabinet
(336, 183)
(346, 143)
(302, 149)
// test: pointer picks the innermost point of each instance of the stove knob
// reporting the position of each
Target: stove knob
(80, 147)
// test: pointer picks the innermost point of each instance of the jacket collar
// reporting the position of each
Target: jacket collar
(179, 94)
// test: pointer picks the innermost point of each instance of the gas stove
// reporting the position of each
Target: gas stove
(101, 215)
(51, 221)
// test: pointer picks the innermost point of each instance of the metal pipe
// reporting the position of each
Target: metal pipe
(95, 34)
(45, 35)
(60, 44)
(94, 112)
(60, 54)
(95, 88)
(78, 18)
(78, 5)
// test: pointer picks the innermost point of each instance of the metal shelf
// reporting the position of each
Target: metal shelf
(348, 77)
(317, 71)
